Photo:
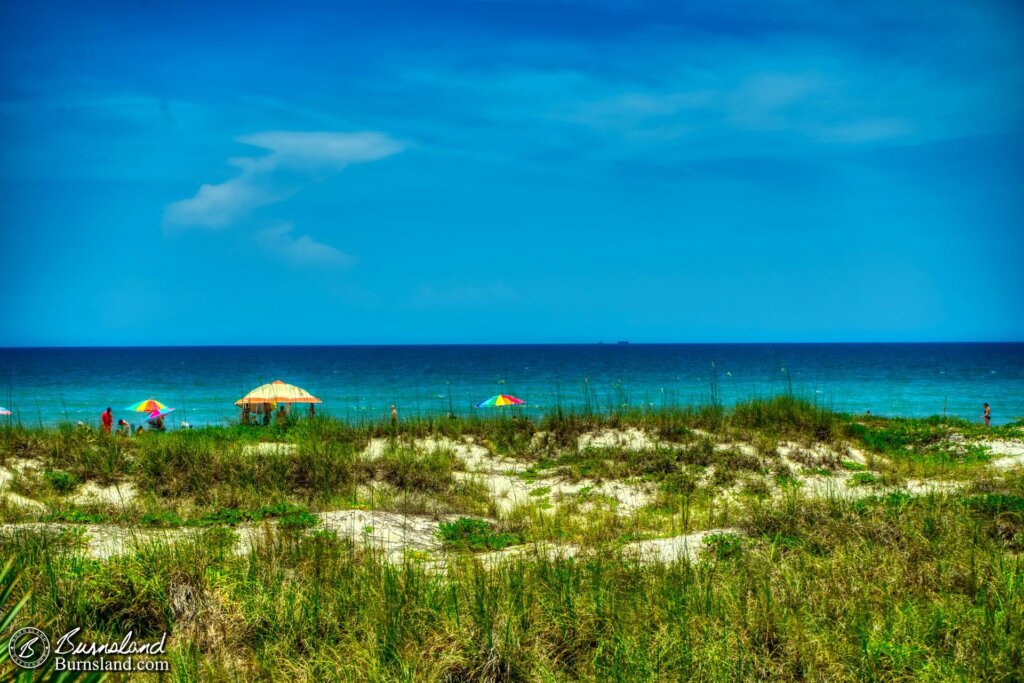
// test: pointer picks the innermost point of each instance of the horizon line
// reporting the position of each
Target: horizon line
(505, 344)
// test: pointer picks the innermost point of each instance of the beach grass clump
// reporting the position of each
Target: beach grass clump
(467, 533)
(654, 463)
(287, 514)
(86, 454)
(900, 436)
(723, 545)
(408, 469)
(60, 481)
(786, 415)
(929, 446)
(160, 518)
(211, 472)
(865, 479)
(73, 515)
(684, 483)
(615, 462)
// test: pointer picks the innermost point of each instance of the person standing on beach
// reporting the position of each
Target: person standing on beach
(394, 414)
(107, 420)
(987, 417)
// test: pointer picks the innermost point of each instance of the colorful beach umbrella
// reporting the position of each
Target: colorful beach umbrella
(277, 392)
(4, 411)
(147, 406)
(500, 400)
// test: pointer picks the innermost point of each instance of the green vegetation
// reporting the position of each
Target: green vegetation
(255, 548)
(724, 545)
(62, 482)
(474, 534)
(927, 590)
(864, 479)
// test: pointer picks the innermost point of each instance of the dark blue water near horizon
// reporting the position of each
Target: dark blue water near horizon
(50, 385)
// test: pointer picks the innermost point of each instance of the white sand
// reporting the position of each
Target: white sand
(391, 532)
(548, 551)
(509, 491)
(115, 494)
(631, 439)
(1011, 450)
(474, 457)
(666, 550)
(924, 487)
(6, 477)
(685, 547)
(471, 453)
(270, 448)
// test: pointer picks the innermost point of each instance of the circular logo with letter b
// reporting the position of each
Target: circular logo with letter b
(29, 647)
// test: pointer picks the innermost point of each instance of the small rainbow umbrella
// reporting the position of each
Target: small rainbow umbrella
(500, 400)
(148, 406)
(4, 411)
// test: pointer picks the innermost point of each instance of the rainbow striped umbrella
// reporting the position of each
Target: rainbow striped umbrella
(500, 400)
(147, 406)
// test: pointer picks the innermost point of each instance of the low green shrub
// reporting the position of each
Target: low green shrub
(474, 534)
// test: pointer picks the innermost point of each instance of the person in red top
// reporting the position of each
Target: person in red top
(107, 420)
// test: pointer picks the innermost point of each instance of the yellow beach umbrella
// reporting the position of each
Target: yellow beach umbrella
(277, 392)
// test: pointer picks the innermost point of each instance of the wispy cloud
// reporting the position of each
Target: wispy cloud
(295, 160)
(720, 80)
(302, 250)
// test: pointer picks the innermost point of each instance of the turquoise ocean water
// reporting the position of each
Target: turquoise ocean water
(47, 386)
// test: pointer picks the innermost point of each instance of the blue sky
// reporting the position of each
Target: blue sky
(491, 171)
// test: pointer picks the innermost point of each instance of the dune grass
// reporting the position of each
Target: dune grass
(886, 587)
(880, 589)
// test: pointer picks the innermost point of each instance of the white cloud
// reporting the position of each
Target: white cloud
(295, 159)
(218, 206)
(302, 250)
(309, 151)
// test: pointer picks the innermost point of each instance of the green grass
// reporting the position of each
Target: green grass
(474, 534)
(723, 545)
(922, 589)
(889, 587)
(61, 482)
(864, 479)
(75, 516)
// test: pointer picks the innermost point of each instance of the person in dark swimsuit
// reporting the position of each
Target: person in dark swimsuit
(987, 417)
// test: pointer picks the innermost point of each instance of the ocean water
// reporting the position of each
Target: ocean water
(47, 386)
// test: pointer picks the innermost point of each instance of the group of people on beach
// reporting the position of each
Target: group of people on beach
(124, 428)
(266, 410)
